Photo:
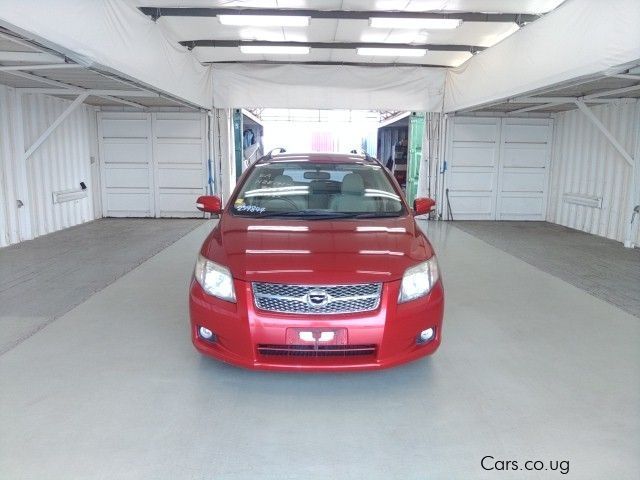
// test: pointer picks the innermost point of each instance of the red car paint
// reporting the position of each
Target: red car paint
(322, 252)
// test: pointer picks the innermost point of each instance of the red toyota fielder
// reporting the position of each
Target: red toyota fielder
(316, 264)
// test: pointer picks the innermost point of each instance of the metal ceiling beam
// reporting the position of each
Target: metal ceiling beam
(34, 57)
(191, 44)
(626, 76)
(38, 78)
(94, 92)
(553, 100)
(122, 101)
(348, 64)
(519, 18)
(608, 93)
(52, 66)
(539, 106)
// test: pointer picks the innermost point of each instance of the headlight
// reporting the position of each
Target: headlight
(215, 279)
(419, 280)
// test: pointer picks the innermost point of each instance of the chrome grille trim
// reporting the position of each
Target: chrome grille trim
(282, 298)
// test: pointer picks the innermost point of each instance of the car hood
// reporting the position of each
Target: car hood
(317, 252)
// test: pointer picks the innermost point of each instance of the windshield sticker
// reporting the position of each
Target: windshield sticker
(239, 201)
(249, 208)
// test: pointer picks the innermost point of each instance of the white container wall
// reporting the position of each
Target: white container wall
(49, 184)
(589, 178)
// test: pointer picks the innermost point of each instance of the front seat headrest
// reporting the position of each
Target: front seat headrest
(353, 184)
(282, 181)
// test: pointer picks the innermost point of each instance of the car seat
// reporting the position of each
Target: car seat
(286, 201)
(352, 196)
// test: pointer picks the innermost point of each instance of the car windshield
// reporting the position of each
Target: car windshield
(317, 190)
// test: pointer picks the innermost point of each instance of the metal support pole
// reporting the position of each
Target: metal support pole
(633, 196)
(20, 169)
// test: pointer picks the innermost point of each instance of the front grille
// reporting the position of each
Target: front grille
(336, 299)
(316, 351)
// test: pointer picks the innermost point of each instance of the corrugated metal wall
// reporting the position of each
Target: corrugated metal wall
(61, 163)
(584, 163)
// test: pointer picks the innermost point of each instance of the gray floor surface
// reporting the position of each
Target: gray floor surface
(597, 265)
(46, 277)
(531, 368)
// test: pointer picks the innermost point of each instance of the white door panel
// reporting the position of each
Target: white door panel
(497, 168)
(473, 154)
(152, 164)
(473, 157)
(532, 182)
(126, 164)
(179, 144)
(525, 151)
(476, 206)
(125, 125)
(122, 178)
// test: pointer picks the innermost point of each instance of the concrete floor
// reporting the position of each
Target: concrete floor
(44, 278)
(531, 368)
(599, 266)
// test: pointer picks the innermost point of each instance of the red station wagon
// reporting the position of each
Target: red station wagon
(316, 263)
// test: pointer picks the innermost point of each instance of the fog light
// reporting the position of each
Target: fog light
(206, 333)
(426, 335)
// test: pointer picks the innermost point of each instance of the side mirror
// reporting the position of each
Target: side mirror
(209, 204)
(423, 205)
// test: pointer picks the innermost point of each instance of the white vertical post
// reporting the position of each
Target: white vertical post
(633, 197)
(224, 150)
(20, 170)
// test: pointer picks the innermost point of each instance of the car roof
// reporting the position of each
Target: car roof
(317, 157)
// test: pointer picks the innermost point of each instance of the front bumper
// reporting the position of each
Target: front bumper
(242, 331)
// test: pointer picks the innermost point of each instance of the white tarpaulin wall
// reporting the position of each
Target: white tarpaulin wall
(114, 36)
(328, 86)
(578, 39)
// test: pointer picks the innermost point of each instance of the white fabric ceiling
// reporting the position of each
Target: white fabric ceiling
(334, 30)
(483, 34)
(328, 86)
(113, 36)
(579, 39)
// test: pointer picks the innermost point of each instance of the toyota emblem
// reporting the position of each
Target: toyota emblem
(317, 298)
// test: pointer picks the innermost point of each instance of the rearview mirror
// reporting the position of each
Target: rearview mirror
(209, 204)
(423, 205)
(317, 175)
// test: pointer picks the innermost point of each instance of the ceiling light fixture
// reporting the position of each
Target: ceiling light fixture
(392, 52)
(415, 23)
(264, 20)
(274, 49)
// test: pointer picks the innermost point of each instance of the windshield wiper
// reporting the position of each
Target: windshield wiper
(307, 214)
(377, 215)
(326, 215)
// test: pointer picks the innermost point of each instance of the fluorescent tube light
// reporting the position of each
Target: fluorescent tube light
(264, 20)
(415, 23)
(274, 49)
(392, 52)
